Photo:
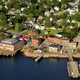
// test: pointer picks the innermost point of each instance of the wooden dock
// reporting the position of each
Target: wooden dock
(72, 67)
(38, 58)
(7, 53)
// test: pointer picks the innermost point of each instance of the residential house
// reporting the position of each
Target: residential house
(77, 1)
(11, 44)
(34, 20)
(58, 35)
(26, 25)
(40, 19)
(56, 8)
(34, 32)
(40, 27)
(47, 13)
(54, 48)
(71, 11)
(52, 10)
(12, 12)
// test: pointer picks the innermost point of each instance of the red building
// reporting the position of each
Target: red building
(33, 32)
(37, 41)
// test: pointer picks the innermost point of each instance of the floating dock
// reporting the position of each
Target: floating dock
(38, 58)
(73, 69)
(72, 66)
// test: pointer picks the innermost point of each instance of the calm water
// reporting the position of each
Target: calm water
(21, 68)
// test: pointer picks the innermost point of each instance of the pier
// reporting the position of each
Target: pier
(7, 53)
(72, 67)
(38, 58)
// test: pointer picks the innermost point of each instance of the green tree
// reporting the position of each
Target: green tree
(17, 25)
(47, 23)
(2, 17)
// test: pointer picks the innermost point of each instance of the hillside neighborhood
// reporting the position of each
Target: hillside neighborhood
(43, 26)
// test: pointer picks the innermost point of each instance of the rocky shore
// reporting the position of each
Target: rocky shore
(35, 55)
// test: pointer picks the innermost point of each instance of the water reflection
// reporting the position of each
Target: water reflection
(53, 60)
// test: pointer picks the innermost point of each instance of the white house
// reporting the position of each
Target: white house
(51, 10)
(54, 48)
(56, 8)
(72, 11)
(40, 27)
(77, 0)
(47, 13)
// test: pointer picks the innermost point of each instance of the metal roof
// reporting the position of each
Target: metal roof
(9, 41)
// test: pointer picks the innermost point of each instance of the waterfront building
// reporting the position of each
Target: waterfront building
(54, 48)
(11, 44)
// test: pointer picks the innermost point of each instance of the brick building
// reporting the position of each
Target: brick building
(37, 41)
(62, 42)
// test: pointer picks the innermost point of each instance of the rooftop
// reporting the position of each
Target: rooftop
(55, 45)
(9, 41)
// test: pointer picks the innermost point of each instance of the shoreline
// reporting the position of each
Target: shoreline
(62, 56)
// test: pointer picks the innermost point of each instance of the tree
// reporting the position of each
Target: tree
(47, 23)
(2, 17)
(17, 27)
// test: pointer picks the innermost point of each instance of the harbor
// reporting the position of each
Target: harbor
(27, 69)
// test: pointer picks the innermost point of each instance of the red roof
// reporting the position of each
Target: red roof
(25, 38)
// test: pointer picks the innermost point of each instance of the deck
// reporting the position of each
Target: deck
(38, 58)
(72, 67)
(7, 53)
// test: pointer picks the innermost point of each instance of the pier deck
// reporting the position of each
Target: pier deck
(7, 53)
(73, 69)
(38, 58)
